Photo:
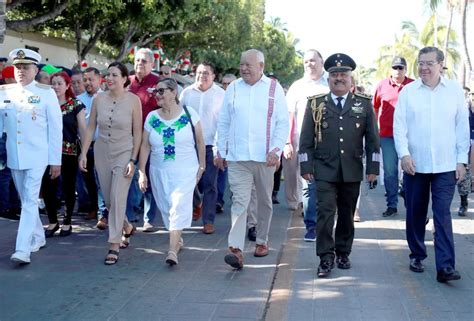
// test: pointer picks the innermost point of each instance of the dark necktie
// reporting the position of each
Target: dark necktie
(339, 100)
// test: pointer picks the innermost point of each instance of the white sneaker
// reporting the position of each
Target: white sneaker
(35, 247)
(20, 257)
(147, 227)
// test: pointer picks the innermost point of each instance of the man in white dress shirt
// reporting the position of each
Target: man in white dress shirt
(431, 132)
(206, 98)
(31, 117)
(251, 134)
(314, 82)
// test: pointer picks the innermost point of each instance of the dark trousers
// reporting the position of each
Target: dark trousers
(90, 181)
(208, 188)
(332, 197)
(50, 187)
(417, 196)
(277, 179)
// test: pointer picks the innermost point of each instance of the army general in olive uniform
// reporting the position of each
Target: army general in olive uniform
(331, 152)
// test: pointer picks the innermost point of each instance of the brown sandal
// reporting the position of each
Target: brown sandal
(126, 238)
(111, 260)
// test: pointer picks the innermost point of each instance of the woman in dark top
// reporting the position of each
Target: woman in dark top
(73, 122)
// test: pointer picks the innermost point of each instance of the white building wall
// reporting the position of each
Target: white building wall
(53, 51)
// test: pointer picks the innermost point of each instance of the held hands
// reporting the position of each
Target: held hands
(220, 163)
(83, 162)
(54, 171)
(460, 172)
(273, 160)
(142, 181)
(408, 165)
(288, 151)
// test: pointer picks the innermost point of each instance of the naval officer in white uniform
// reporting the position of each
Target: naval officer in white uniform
(31, 116)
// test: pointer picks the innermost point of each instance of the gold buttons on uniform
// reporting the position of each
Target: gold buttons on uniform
(340, 128)
(341, 140)
(342, 151)
(340, 117)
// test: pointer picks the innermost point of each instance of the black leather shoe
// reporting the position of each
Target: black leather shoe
(66, 232)
(391, 211)
(343, 262)
(416, 265)
(325, 268)
(447, 274)
(50, 233)
(252, 234)
(219, 208)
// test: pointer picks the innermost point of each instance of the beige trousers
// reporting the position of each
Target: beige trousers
(242, 175)
(114, 188)
(293, 179)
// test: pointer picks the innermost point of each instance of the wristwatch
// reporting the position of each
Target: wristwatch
(134, 161)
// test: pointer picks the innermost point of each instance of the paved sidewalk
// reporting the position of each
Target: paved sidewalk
(67, 280)
(379, 286)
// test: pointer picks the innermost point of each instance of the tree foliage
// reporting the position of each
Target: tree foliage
(215, 30)
(411, 40)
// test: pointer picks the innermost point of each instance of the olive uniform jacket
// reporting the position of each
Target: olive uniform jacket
(331, 140)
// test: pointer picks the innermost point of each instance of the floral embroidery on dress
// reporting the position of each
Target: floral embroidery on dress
(68, 106)
(168, 133)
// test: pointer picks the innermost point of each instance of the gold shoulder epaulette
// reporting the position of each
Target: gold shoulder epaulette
(316, 96)
(362, 95)
(7, 86)
(44, 86)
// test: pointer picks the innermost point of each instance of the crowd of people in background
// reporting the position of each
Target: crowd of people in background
(132, 143)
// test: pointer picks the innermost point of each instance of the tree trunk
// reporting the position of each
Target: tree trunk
(93, 40)
(31, 22)
(78, 36)
(448, 31)
(126, 40)
(464, 5)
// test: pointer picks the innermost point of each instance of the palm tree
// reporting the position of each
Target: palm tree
(412, 40)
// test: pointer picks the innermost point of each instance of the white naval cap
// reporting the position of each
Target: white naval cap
(24, 56)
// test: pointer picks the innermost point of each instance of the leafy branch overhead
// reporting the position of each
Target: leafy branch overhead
(215, 30)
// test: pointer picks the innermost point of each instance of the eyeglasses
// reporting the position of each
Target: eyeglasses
(398, 67)
(427, 63)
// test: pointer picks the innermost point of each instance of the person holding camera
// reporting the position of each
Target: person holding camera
(331, 152)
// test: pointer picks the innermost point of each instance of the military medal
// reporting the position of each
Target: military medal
(358, 110)
(324, 125)
(34, 99)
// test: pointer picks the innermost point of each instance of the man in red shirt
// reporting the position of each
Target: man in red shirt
(384, 101)
(140, 82)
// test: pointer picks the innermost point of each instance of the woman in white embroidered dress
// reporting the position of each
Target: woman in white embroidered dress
(174, 164)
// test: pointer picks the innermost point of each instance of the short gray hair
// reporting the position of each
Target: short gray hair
(314, 51)
(231, 77)
(260, 56)
(146, 52)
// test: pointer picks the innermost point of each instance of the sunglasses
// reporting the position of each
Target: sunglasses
(157, 91)
(398, 68)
